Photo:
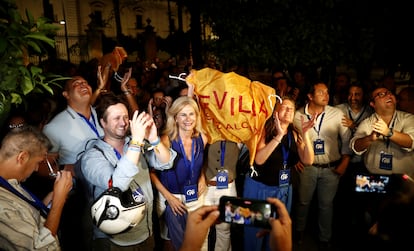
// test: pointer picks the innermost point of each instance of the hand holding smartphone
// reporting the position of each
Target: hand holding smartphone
(247, 212)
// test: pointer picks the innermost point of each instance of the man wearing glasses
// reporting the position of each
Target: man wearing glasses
(385, 139)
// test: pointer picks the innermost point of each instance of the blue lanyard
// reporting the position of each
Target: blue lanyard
(320, 124)
(36, 203)
(92, 126)
(359, 117)
(286, 151)
(118, 155)
(188, 164)
(392, 126)
(223, 152)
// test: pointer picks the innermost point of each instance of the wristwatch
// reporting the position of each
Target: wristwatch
(390, 133)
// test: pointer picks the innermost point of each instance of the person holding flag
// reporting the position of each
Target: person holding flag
(280, 147)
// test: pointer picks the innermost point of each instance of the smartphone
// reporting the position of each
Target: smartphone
(247, 212)
(372, 183)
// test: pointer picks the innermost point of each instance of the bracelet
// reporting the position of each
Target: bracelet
(155, 143)
(277, 141)
(135, 143)
(134, 148)
(127, 92)
(102, 90)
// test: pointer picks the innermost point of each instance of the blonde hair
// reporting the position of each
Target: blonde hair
(171, 128)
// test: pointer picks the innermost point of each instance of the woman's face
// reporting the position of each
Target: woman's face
(286, 111)
(186, 119)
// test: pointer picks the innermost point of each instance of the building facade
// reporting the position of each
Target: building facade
(83, 23)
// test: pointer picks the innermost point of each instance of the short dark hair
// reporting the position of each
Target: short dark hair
(105, 101)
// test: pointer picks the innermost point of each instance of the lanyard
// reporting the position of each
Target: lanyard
(36, 203)
(392, 126)
(286, 151)
(91, 125)
(223, 152)
(118, 155)
(188, 164)
(359, 117)
(320, 124)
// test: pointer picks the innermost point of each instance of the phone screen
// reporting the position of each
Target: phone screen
(371, 183)
(248, 212)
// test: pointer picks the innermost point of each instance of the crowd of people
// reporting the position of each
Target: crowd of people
(142, 132)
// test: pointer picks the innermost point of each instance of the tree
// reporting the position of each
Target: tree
(20, 38)
(284, 33)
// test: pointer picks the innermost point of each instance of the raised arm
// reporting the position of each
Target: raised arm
(304, 144)
(133, 105)
(264, 150)
(102, 80)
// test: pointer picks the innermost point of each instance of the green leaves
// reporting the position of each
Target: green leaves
(19, 39)
(38, 36)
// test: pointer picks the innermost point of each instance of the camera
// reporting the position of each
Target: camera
(245, 211)
(372, 183)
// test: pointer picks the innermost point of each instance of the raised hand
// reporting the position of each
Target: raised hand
(139, 124)
(380, 127)
(278, 127)
(124, 83)
(308, 124)
(103, 76)
(347, 122)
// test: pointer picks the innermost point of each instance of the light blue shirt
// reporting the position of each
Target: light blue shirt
(69, 132)
(99, 166)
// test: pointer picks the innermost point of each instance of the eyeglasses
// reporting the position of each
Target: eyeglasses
(382, 94)
(14, 126)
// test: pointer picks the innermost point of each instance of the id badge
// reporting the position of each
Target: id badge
(385, 161)
(319, 147)
(284, 177)
(190, 193)
(222, 179)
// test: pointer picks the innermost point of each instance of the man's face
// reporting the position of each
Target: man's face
(282, 85)
(382, 99)
(341, 82)
(133, 86)
(355, 97)
(320, 95)
(404, 101)
(77, 90)
(158, 118)
(116, 123)
(158, 99)
(31, 164)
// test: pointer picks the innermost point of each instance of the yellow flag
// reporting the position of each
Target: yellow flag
(232, 106)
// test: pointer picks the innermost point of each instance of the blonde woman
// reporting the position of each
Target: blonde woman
(183, 186)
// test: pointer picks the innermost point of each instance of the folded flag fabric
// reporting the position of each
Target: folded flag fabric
(232, 106)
